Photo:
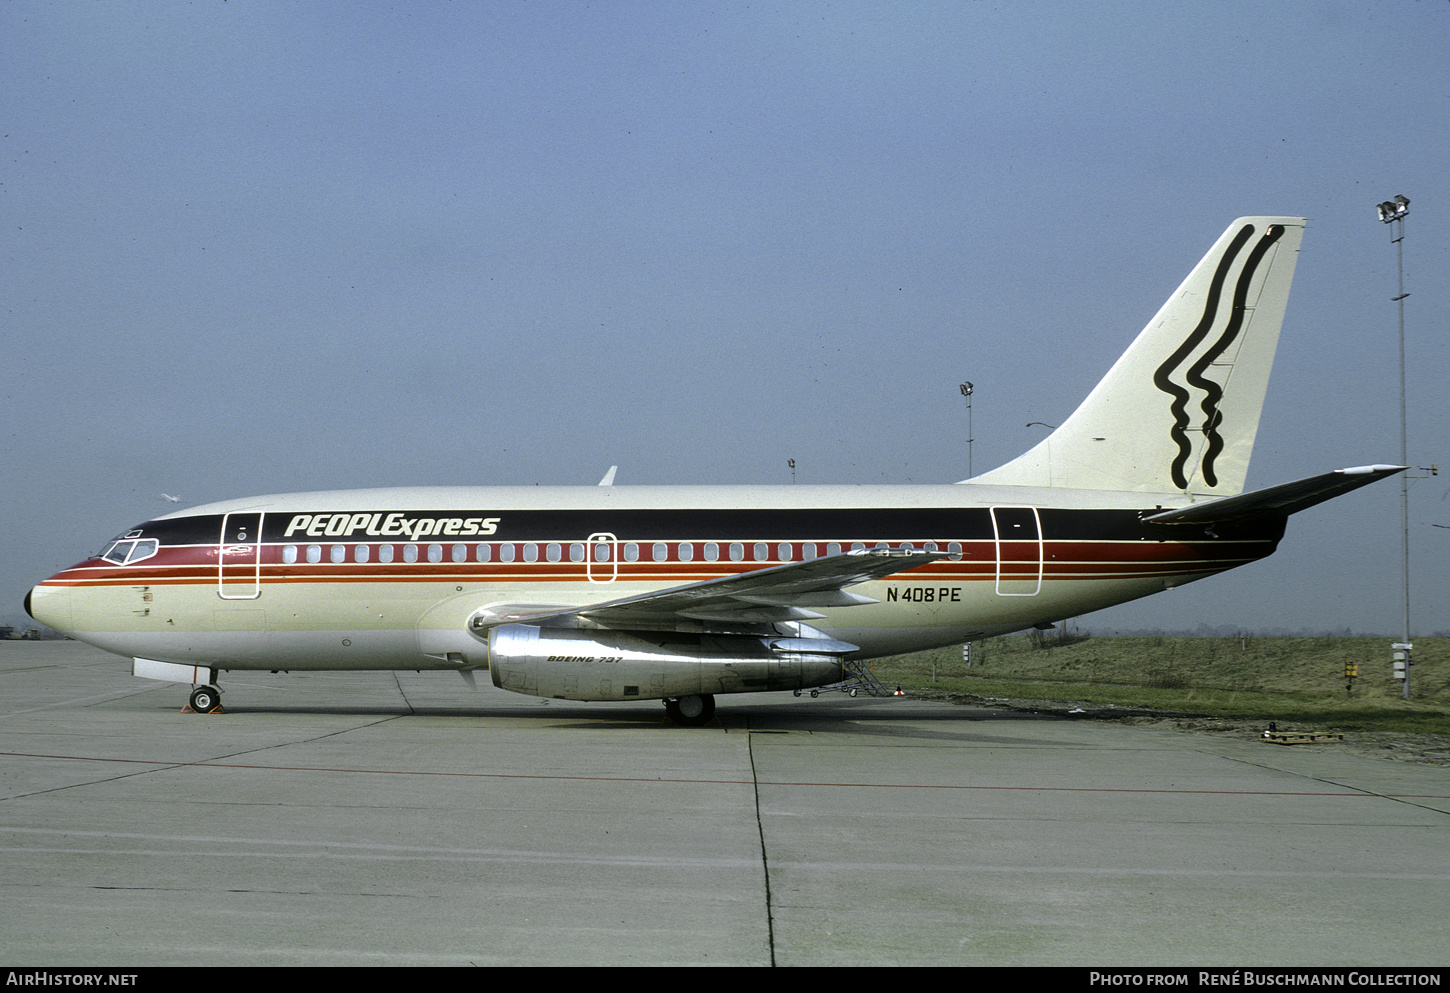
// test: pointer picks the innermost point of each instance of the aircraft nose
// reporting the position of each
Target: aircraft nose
(49, 606)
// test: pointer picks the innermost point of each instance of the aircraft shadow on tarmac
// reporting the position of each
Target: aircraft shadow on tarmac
(936, 722)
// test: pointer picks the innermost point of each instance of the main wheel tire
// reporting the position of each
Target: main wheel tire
(691, 711)
(205, 699)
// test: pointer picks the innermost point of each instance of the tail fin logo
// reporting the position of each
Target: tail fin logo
(1230, 326)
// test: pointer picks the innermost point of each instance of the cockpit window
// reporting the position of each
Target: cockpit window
(128, 550)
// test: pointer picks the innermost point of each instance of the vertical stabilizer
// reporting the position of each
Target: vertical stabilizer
(1180, 408)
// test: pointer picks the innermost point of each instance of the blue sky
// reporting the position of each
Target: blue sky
(259, 247)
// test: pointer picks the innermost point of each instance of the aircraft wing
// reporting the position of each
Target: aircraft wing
(778, 593)
(1285, 499)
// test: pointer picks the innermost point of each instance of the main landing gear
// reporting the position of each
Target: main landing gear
(691, 711)
(207, 700)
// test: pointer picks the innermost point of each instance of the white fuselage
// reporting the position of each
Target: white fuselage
(389, 579)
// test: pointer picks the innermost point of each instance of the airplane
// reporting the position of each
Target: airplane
(682, 593)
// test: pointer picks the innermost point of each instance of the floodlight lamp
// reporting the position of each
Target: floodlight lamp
(1393, 210)
(966, 389)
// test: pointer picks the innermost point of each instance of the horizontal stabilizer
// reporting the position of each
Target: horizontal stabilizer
(1285, 499)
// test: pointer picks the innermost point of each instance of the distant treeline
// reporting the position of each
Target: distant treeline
(1229, 631)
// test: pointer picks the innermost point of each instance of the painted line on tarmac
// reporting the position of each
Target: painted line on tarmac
(164, 764)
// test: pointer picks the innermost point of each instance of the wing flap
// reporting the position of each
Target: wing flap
(762, 596)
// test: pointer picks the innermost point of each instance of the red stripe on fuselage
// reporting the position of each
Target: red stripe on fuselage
(1061, 560)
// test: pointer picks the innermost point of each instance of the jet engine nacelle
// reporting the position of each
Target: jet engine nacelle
(615, 665)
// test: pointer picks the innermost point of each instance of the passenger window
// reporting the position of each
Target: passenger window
(435, 553)
(360, 553)
(314, 553)
(661, 552)
(531, 552)
(857, 546)
(930, 546)
(385, 553)
(712, 551)
(555, 551)
(687, 551)
(506, 552)
(631, 552)
(737, 551)
(576, 552)
(289, 554)
(808, 550)
(410, 553)
(783, 552)
(484, 552)
(762, 551)
(460, 553)
(834, 548)
(955, 548)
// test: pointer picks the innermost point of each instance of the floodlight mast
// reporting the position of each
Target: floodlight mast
(1393, 212)
(967, 389)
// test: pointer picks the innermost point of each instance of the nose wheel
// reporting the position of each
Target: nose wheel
(206, 700)
(691, 711)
